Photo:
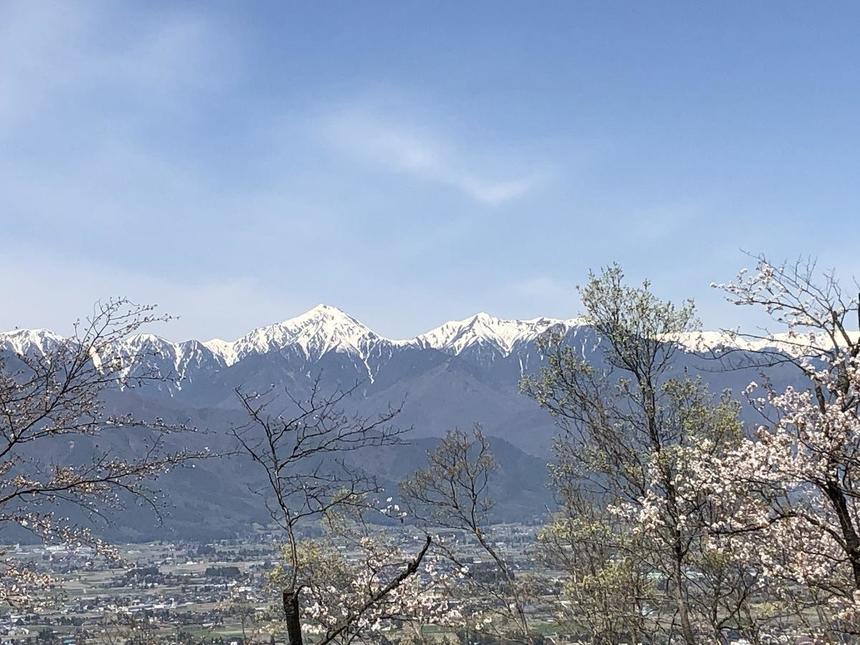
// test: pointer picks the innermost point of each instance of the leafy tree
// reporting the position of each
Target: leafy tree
(633, 530)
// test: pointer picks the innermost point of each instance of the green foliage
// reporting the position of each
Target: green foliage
(632, 532)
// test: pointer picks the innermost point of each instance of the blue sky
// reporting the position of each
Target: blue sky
(413, 162)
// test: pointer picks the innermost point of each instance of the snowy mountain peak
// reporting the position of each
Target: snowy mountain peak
(138, 341)
(315, 332)
(484, 329)
(325, 315)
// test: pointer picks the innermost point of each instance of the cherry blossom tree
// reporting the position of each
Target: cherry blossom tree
(56, 393)
(791, 490)
(360, 585)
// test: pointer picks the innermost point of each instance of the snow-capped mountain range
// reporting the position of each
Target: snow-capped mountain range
(458, 374)
(321, 330)
(461, 372)
(325, 329)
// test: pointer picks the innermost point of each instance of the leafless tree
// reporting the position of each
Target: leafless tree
(300, 446)
(452, 492)
(56, 392)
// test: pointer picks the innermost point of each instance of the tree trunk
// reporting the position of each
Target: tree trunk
(291, 613)
(852, 540)
(681, 602)
(677, 550)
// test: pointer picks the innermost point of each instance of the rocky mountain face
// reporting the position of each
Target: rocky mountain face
(461, 373)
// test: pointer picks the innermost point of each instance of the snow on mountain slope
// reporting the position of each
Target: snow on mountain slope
(223, 349)
(27, 341)
(789, 343)
(173, 360)
(483, 329)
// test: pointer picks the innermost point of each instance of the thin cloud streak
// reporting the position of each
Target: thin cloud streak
(420, 153)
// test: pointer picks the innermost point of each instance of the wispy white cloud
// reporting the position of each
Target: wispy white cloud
(93, 97)
(423, 153)
(54, 55)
